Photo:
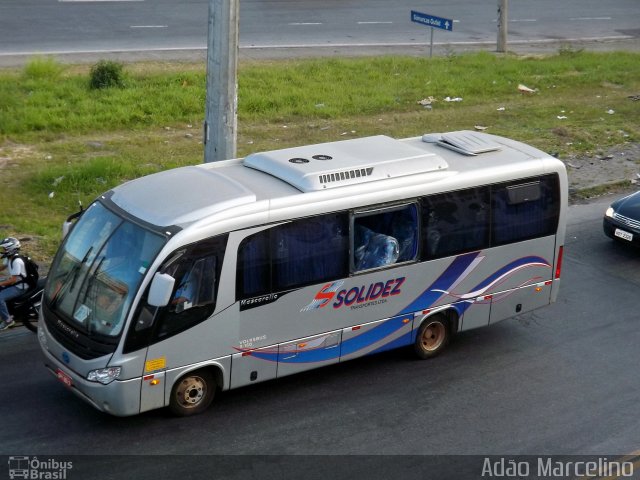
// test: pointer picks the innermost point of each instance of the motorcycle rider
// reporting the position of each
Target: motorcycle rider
(15, 285)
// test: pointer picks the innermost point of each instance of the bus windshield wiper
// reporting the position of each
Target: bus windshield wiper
(68, 280)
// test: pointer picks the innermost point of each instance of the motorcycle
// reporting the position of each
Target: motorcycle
(26, 307)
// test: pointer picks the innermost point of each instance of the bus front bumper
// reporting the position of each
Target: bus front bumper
(120, 397)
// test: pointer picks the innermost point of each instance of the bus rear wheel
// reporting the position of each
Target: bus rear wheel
(193, 393)
(433, 337)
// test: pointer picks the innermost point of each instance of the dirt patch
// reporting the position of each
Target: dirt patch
(10, 154)
(618, 164)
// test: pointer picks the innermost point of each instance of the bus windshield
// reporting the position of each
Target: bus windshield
(98, 270)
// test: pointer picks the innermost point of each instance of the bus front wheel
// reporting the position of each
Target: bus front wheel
(193, 393)
(433, 337)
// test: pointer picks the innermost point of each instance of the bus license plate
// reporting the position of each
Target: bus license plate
(64, 378)
(624, 235)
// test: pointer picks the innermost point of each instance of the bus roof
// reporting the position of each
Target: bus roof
(350, 162)
(341, 169)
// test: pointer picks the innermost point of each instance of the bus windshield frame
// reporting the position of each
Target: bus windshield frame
(98, 271)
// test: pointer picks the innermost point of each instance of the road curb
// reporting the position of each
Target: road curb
(271, 52)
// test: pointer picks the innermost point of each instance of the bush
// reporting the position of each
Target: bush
(106, 74)
(42, 68)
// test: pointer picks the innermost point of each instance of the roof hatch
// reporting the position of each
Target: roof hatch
(464, 141)
(348, 162)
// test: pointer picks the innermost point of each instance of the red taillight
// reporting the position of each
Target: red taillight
(559, 261)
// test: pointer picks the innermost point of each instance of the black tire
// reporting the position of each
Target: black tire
(193, 393)
(30, 319)
(433, 336)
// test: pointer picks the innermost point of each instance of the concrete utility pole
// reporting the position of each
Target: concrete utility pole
(221, 110)
(503, 10)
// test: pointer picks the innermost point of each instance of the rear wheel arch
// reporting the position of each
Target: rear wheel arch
(434, 333)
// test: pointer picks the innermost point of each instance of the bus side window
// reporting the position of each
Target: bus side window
(196, 270)
(194, 297)
(294, 254)
(455, 222)
(253, 277)
(385, 237)
(310, 250)
(196, 288)
(524, 210)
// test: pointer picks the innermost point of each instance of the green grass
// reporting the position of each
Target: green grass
(57, 135)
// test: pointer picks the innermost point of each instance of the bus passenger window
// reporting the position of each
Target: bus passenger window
(310, 250)
(373, 250)
(455, 222)
(525, 210)
(297, 253)
(253, 277)
(385, 237)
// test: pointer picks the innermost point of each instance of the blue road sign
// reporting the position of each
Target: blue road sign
(432, 20)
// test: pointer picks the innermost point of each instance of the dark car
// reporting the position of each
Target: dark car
(622, 219)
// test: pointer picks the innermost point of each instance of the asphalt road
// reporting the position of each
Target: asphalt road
(150, 28)
(559, 381)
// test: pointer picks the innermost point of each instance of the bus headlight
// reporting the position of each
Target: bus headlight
(609, 212)
(104, 375)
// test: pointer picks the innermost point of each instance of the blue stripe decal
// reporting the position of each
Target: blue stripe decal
(372, 336)
(403, 341)
(311, 355)
(508, 268)
(439, 288)
(443, 282)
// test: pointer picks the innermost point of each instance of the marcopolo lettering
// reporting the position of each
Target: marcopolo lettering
(368, 293)
(258, 301)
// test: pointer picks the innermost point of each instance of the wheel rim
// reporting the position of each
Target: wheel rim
(191, 391)
(433, 336)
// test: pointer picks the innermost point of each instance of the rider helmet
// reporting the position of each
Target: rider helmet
(9, 246)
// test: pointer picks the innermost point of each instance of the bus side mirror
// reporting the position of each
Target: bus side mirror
(160, 290)
(66, 226)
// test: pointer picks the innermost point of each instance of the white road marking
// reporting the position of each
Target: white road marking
(590, 18)
(148, 26)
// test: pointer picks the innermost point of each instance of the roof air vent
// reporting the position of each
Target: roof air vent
(345, 175)
(347, 162)
(464, 141)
